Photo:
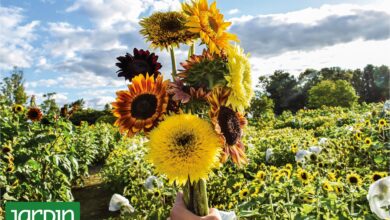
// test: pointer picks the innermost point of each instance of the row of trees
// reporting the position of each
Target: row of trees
(313, 88)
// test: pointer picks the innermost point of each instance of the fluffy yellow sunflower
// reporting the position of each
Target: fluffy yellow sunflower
(142, 106)
(34, 114)
(354, 179)
(368, 141)
(166, 29)
(239, 79)
(184, 146)
(228, 124)
(17, 108)
(207, 22)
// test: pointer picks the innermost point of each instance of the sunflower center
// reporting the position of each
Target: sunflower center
(353, 180)
(171, 25)
(213, 24)
(230, 125)
(245, 193)
(304, 176)
(33, 114)
(185, 140)
(144, 106)
(140, 66)
(376, 177)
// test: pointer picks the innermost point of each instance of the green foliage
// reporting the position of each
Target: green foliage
(89, 115)
(41, 161)
(12, 88)
(49, 105)
(261, 105)
(291, 93)
(332, 93)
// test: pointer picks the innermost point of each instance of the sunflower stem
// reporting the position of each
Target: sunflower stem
(173, 60)
(195, 197)
(191, 51)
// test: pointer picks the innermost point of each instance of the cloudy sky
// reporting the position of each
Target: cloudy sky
(70, 46)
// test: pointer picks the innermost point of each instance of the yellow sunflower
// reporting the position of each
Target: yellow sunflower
(332, 176)
(289, 166)
(338, 187)
(166, 29)
(244, 193)
(368, 141)
(260, 176)
(327, 186)
(17, 108)
(304, 176)
(294, 148)
(377, 175)
(239, 79)
(184, 146)
(34, 114)
(354, 179)
(142, 106)
(209, 24)
(358, 135)
(309, 196)
(285, 172)
(228, 124)
(382, 123)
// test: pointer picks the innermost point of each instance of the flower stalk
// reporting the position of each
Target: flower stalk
(195, 197)
(173, 60)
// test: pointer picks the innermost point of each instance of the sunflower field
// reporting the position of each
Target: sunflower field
(200, 141)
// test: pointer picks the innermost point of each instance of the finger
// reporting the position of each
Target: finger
(179, 199)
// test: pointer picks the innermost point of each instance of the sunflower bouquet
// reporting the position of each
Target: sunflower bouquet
(194, 121)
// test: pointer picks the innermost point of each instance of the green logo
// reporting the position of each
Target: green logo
(42, 211)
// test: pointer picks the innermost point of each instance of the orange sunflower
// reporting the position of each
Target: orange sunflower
(142, 106)
(228, 124)
(34, 114)
(209, 23)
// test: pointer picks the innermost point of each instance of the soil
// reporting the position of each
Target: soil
(94, 197)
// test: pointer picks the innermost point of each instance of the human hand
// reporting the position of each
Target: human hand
(180, 211)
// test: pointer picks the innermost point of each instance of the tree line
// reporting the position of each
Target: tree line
(313, 88)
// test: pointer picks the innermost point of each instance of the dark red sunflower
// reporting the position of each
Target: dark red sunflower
(228, 124)
(34, 114)
(141, 62)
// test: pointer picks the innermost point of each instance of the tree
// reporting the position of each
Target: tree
(332, 93)
(12, 88)
(49, 105)
(261, 104)
(283, 90)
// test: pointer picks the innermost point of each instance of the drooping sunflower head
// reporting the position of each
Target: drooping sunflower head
(239, 79)
(141, 62)
(354, 179)
(228, 124)
(204, 70)
(208, 23)
(34, 114)
(184, 146)
(166, 29)
(308, 196)
(142, 106)
(17, 108)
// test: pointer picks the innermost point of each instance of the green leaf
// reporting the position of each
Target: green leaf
(378, 159)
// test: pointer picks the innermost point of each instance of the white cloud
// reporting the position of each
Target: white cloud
(16, 37)
(308, 29)
(233, 11)
(350, 55)
(98, 102)
(110, 13)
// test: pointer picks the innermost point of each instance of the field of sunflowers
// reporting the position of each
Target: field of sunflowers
(315, 164)
(193, 133)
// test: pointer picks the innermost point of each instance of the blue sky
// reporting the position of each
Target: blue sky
(70, 46)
